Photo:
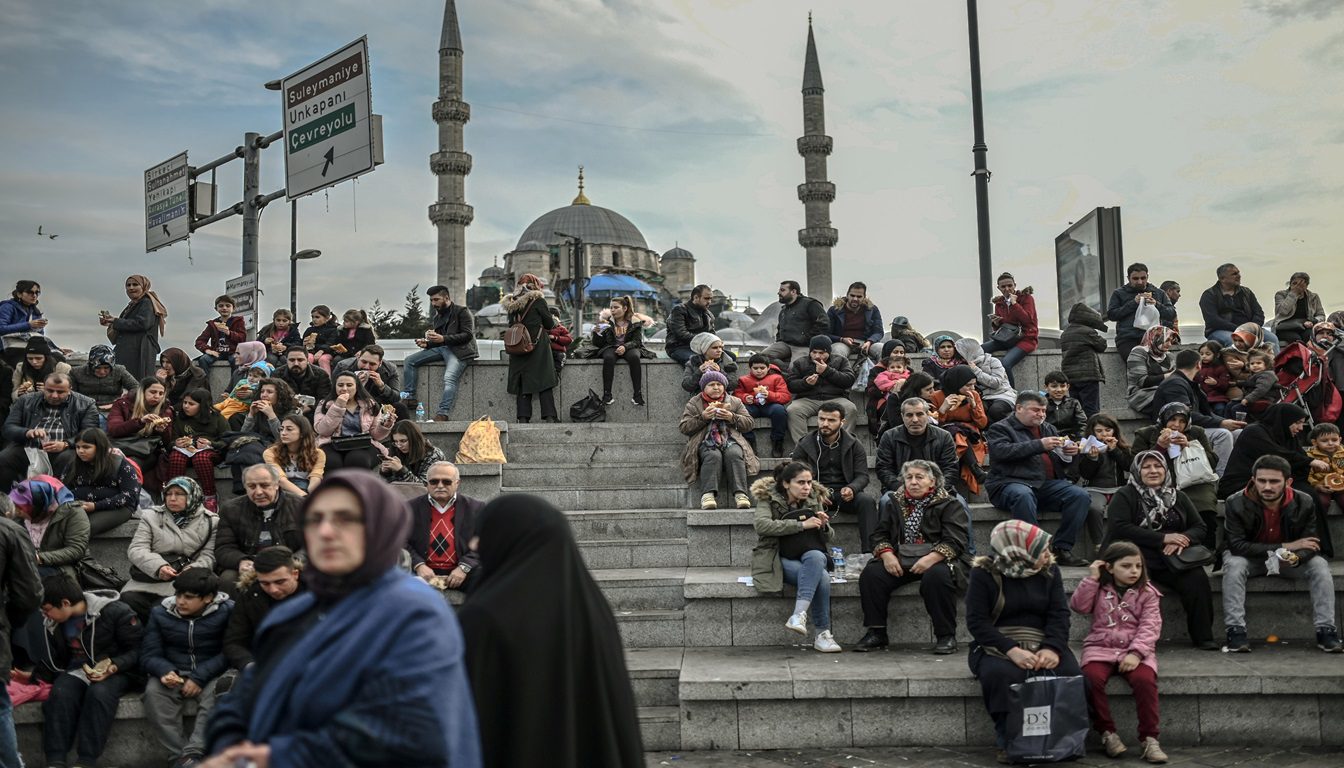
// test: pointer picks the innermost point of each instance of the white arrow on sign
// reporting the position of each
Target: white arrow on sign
(328, 131)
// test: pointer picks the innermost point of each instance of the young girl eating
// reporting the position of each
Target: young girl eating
(1126, 623)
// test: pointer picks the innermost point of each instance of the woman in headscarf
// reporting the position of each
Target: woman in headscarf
(1275, 433)
(181, 375)
(991, 379)
(1147, 365)
(137, 330)
(958, 408)
(532, 373)
(366, 667)
(55, 522)
(247, 353)
(1152, 514)
(943, 359)
(170, 538)
(102, 379)
(557, 694)
(1018, 617)
(38, 363)
(1173, 428)
(716, 424)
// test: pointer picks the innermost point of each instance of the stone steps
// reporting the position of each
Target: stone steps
(783, 697)
(652, 452)
(593, 476)
(631, 496)
(634, 553)
(605, 524)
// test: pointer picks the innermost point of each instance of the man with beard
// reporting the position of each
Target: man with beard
(686, 320)
(310, 383)
(1270, 530)
(841, 465)
(855, 324)
(801, 320)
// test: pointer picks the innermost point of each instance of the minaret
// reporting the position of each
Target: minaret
(816, 192)
(450, 213)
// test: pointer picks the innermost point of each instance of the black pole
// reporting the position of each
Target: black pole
(293, 260)
(578, 285)
(981, 174)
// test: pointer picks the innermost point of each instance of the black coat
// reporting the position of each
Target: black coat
(1177, 388)
(194, 648)
(1035, 601)
(249, 610)
(945, 525)
(22, 588)
(834, 383)
(326, 336)
(79, 414)
(1241, 308)
(604, 335)
(464, 527)
(690, 380)
(1122, 308)
(1015, 455)
(535, 371)
(240, 527)
(1081, 345)
(853, 458)
(458, 328)
(684, 322)
(137, 343)
(1269, 436)
(895, 448)
(1124, 522)
(1243, 518)
(111, 631)
(1067, 416)
(800, 321)
(313, 382)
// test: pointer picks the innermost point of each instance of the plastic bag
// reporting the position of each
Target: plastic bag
(38, 462)
(1048, 719)
(1146, 316)
(861, 378)
(480, 444)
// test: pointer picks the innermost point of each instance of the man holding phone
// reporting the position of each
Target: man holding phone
(48, 420)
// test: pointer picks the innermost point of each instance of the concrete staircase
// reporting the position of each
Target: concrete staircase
(712, 665)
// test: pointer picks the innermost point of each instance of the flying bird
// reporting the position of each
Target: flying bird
(49, 235)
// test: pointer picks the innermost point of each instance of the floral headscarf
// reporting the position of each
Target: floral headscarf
(1016, 547)
(1158, 504)
(1155, 336)
(42, 494)
(195, 499)
(101, 354)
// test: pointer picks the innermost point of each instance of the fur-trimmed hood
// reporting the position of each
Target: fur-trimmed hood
(515, 302)
(839, 303)
(764, 490)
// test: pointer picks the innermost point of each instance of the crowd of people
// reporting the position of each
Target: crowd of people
(312, 421)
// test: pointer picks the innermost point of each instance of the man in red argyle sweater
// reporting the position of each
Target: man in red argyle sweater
(443, 522)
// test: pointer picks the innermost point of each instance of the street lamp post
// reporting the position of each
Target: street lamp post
(307, 253)
(981, 172)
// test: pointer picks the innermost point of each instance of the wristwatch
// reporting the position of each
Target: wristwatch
(465, 567)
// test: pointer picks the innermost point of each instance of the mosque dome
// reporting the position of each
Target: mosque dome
(592, 223)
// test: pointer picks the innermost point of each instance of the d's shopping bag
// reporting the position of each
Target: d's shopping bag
(1048, 721)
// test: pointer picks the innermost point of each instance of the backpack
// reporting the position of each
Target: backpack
(517, 341)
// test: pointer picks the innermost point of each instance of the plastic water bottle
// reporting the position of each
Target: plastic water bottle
(838, 560)
(420, 412)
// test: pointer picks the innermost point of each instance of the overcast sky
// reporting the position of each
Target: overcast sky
(1217, 126)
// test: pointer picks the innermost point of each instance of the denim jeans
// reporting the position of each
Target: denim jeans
(1225, 338)
(9, 741)
(1021, 501)
(205, 361)
(814, 583)
(452, 373)
(1316, 571)
(1012, 356)
(778, 415)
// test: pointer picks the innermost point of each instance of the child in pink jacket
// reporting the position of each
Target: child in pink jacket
(1126, 623)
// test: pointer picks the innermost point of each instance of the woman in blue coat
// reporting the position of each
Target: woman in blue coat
(364, 669)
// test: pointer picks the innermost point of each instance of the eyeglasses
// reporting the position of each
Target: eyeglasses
(440, 481)
(337, 520)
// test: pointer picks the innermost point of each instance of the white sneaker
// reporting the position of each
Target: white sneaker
(709, 501)
(797, 623)
(826, 642)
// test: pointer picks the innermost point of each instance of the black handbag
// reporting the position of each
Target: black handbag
(352, 442)
(589, 409)
(94, 575)
(795, 545)
(1190, 558)
(1007, 333)
(909, 554)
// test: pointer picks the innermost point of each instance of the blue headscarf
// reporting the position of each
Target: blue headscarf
(41, 493)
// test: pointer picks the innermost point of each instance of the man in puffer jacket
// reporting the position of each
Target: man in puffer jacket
(1125, 302)
(183, 653)
(1081, 344)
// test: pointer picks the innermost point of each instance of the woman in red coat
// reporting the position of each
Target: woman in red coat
(1013, 308)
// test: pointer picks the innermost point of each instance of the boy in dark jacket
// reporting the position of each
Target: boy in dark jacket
(1081, 342)
(183, 653)
(221, 336)
(1061, 410)
(92, 655)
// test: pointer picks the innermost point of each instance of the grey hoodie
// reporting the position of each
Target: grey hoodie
(990, 377)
